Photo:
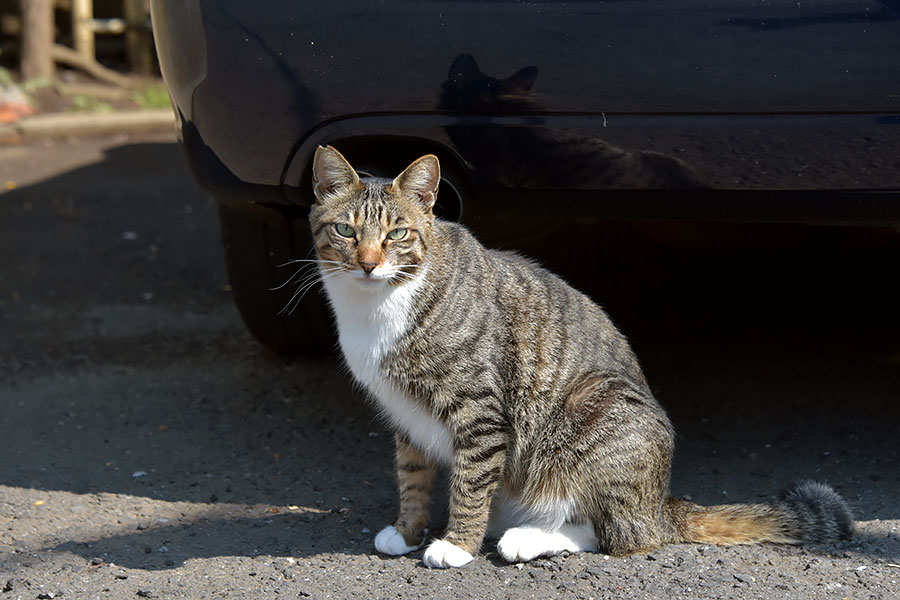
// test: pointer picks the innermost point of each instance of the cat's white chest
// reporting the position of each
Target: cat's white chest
(369, 324)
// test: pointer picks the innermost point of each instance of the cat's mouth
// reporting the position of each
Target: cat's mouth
(370, 279)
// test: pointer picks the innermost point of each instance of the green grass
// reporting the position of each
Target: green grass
(152, 96)
(85, 103)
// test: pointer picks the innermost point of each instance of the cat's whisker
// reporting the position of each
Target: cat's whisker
(315, 264)
(331, 271)
(405, 277)
(301, 292)
(294, 261)
(304, 286)
(293, 277)
(317, 275)
(296, 298)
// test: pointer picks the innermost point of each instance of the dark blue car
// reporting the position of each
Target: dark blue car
(726, 110)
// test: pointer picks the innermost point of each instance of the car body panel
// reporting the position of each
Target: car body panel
(776, 96)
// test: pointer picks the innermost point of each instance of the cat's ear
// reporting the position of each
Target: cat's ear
(421, 180)
(464, 68)
(520, 81)
(332, 173)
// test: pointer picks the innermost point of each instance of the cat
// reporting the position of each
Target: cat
(538, 155)
(487, 364)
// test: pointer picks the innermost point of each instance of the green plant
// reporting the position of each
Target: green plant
(85, 103)
(5, 77)
(152, 96)
(38, 83)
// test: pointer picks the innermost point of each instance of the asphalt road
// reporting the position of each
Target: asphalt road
(151, 448)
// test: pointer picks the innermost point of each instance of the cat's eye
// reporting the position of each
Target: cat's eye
(345, 230)
(397, 234)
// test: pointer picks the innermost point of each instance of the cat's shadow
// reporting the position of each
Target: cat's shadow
(287, 538)
(338, 491)
(332, 489)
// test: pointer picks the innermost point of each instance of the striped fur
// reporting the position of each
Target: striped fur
(495, 368)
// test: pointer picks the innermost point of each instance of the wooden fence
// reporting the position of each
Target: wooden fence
(135, 26)
(40, 51)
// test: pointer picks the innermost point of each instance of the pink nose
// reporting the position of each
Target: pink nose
(368, 267)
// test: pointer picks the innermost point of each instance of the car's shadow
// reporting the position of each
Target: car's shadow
(132, 388)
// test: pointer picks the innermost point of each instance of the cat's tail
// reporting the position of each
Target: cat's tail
(811, 512)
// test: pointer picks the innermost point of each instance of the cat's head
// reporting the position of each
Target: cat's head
(374, 231)
(469, 91)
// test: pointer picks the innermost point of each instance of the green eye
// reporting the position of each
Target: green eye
(345, 230)
(397, 234)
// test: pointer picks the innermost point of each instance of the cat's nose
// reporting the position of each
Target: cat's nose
(368, 267)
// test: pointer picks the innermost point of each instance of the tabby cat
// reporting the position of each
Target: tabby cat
(491, 366)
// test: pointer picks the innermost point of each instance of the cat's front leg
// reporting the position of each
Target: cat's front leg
(478, 467)
(415, 478)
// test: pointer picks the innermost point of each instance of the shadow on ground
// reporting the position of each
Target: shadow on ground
(160, 431)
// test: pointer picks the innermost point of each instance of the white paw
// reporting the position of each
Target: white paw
(442, 554)
(390, 541)
(521, 544)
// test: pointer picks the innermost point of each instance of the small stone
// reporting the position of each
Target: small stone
(146, 594)
(740, 577)
(597, 571)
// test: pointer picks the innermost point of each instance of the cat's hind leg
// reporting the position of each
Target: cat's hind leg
(539, 529)
(528, 542)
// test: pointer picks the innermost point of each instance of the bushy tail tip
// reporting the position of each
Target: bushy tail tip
(821, 515)
(810, 512)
